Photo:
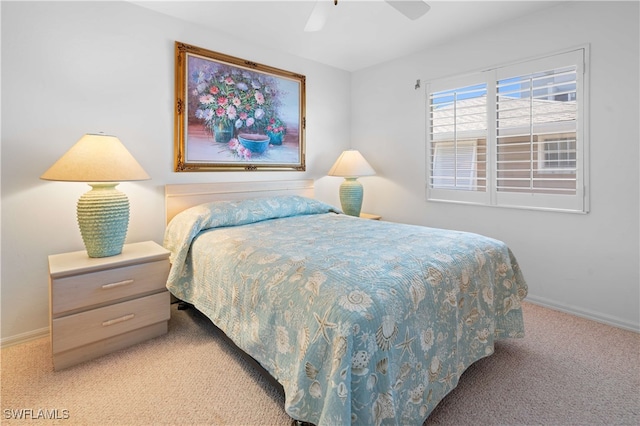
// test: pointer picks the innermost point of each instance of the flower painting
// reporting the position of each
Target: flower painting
(233, 114)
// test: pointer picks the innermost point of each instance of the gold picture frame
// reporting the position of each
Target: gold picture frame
(236, 115)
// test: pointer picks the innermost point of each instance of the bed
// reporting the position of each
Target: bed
(360, 321)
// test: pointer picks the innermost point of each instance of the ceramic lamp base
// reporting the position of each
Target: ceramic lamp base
(351, 196)
(103, 217)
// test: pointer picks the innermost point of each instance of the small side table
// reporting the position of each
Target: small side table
(100, 305)
(370, 216)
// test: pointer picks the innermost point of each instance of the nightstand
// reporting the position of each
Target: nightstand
(370, 216)
(100, 305)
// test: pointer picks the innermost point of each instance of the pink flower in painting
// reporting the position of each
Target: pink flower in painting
(276, 126)
(206, 99)
(243, 115)
(243, 152)
(236, 101)
(214, 90)
(222, 101)
(231, 112)
(220, 112)
(250, 121)
(233, 144)
(229, 81)
(275, 129)
(259, 98)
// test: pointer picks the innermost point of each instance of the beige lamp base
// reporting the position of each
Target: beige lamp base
(351, 196)
(103, 217)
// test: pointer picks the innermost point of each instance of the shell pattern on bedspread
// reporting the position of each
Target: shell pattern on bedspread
(362, 322)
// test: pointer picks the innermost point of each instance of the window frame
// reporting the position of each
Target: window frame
(578, 203)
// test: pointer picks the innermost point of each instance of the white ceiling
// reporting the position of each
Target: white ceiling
(357, 34)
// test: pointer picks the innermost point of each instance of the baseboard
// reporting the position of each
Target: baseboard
(584, 313)
(541, 301)
(24, 337)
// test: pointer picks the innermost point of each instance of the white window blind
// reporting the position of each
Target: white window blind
(458, 133)
(455, 165)
(529, 148)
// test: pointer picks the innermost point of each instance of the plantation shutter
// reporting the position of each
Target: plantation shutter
(538, 140)
(457, 141)
(511, 136)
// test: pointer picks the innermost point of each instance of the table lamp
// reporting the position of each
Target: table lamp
(103, 212)
(350, 165)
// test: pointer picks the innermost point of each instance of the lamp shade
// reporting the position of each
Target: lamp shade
(96, 158)
(351, 164)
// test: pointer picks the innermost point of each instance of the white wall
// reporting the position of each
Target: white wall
(80, 67)
(587, 264)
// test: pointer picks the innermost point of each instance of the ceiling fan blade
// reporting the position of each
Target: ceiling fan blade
(412, 9)
(318, 16)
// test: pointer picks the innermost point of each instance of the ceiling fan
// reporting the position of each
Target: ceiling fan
(412, 9)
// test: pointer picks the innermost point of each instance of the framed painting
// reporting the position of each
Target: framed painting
(234, 114)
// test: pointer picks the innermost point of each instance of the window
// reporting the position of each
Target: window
(557, 154)
(511, 136)
(459, 132)
(455, 165)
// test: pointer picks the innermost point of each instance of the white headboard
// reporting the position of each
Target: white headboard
(178, 197)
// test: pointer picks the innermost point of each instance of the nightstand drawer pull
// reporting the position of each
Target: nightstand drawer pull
(118, 320)
(118, 284)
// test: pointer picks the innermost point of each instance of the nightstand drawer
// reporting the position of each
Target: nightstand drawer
(95, 288)
(76, 330)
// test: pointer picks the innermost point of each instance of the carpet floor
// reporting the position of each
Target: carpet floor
(566, 371)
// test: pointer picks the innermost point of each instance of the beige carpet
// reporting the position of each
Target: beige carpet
(567, 371)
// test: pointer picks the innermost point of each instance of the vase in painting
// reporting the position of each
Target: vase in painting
(275, 138)
(223, 132)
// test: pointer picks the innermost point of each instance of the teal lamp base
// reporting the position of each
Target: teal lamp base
(351, 196)
(103, 217)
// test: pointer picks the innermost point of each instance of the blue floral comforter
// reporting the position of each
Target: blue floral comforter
(361, 321)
